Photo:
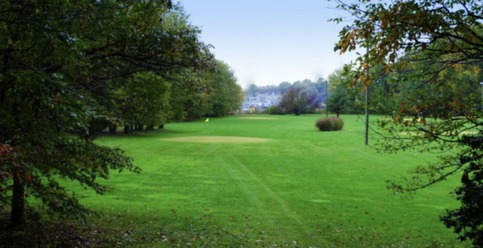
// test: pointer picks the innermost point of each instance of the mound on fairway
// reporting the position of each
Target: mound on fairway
(216, 139)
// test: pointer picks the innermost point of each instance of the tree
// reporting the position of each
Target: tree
(383, 92)
(337, 101)
(225, 95)
(343, 95)
(284, 87)
(298, 100)
(209, 92)
(189, 95)
(62, 62)
(145, 101)
(419, 42)
(389, 30)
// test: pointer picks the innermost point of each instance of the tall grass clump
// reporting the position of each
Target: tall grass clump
(330, 124)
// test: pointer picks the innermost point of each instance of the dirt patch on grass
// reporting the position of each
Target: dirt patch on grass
(216, 139)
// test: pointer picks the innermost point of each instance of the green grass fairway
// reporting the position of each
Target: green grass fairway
(267, 181)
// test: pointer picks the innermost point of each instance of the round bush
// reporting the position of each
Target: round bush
(339, 123)
(324, 124)
(330, 124)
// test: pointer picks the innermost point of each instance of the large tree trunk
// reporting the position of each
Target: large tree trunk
(127, 128)
(113, 129)
(139, 127)
(17, 215)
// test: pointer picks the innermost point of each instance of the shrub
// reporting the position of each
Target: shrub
(339, 124)
(324, 124)
(330, 124)
(273, 110)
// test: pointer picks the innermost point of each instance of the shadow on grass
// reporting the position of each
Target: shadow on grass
(165, 230)
(122, 230)
(145, 133)
(39, 232)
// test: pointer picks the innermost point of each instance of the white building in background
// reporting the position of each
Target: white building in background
(261, 101)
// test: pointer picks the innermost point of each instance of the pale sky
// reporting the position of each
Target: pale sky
(267, 42)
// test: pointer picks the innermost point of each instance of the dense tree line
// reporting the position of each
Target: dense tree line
(425, 60)
(70, 69)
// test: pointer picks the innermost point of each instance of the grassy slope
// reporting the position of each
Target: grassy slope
(302, 187)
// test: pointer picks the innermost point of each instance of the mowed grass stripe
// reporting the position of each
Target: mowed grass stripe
(254, 188)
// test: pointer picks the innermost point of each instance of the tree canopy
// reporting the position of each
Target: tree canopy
(391, 30)
(224, 95)
(430, 52)
(72, 68)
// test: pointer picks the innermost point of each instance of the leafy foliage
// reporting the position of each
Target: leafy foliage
(209, 92)
(343, 96)
(429, 54)
(70, 68)
(145, 99)
(467, 219)
(391, 29)
(224, 95)
(337, 102)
